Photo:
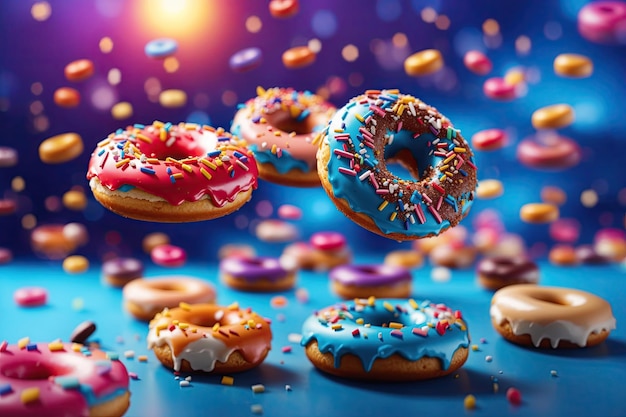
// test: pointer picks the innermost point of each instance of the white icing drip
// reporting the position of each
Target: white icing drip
(554, 331)
(201, 354)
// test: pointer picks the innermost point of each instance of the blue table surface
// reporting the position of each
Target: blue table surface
(588, 382)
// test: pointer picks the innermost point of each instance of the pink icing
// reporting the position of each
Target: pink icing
(23, 369)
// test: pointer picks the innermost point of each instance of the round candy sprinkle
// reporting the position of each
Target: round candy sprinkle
(75, 233)
(168, 256)
(122, 110)
(539, 213)
(82, 332)
(565, 230)
(328, 240)
(603, 22)
(298, 57)
(469, 402)
(477, 62)
(553, 117)
(75, 200)
(61, 148)
(423, 62)
(30, 296)
(573, 65)
(8, 157)
(75, 264)
(172, 98)
(245, 60)
(289, 212)
(499, 89)
(489, 139)
(514, 396)
(276, 231)
(562, 255)
(66, 97)
(79, 70)
(282, 9)
(161, 48)
(554, 195)
(441, 274)
(489, 188)
(152, 240)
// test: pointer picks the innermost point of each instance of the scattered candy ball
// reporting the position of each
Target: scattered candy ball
(75, 200)
(514, 396)
(477, 62)
(30, 296)
(573, 66)
(553, 117)
(563, 255)
(61, 148)
(75, 264)
(169, 256)
(554, 195)
(283, 9)
(327, 240)
(298, 57)
(499, 89)
(234, 250)
(469, 402)
(276, 231)
(161, 48)
(152, 240)
(603, 22)
(8, 157)
(79, 70)
(489, 139)
(539, 213)
(289, 212)
(7, 206)
(556, 153)
(441, 274)
(404, 258)
(6, 255)
(122, 110)
(245, 60)
(172, 98)
(66, 97)
(489, 188)
(423, 62)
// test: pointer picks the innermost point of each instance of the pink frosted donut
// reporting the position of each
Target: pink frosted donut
(603, 22)
(559, 153)
(363, 281)
(168, 256)
(61, 379)
(143, 298)
(328, 240)
(30, 296)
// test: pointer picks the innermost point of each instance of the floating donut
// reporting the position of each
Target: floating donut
(382, 127)
(279, 126)
(144, 298)
(603, 22)
(257, 274)
(391, 340)
(61, 379)
(118, 272)
(550, 317)
(172, 173)
(209, 338)
(496, 272)
(363, 281)
(556, 154)
(323, 251)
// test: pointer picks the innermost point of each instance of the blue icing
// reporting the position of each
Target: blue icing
(283, 163)
(92, 399)
(125, 188)
(377, 342)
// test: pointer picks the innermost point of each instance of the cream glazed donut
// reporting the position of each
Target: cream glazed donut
(551, 317)
(61, 379)
(378, 128)
(172, 173)
(279, 126)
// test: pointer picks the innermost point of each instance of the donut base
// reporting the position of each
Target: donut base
(394, 368)
(317, 259)
(262, 285)
(524, 339)
(139, 205)
(348, 292)
(494, 284)
(234, 363)
(366, 222)
(114, 408)
(293, 178)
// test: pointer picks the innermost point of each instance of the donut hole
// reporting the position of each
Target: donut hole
(168, 286)
(408, 158)
(31, 370)
(551, 298)
(282, 120)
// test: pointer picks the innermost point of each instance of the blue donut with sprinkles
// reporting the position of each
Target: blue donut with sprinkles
(435, 184)
(386, 339)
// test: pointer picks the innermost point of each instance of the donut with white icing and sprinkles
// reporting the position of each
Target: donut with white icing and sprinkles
(381, 127)
(279, 125)
(172, 173)
(386, 339)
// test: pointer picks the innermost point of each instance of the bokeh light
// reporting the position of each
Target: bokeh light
(178, 19)
(41, 11)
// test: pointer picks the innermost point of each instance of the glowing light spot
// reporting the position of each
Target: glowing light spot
(171, 64)
(356, 79)
(105, 45)
(399, 40)
(110, 8)
(523, 45)
(324, 23)
(428, 14)
(29, 221)
(201, 100)
(103, 97)
(315, 45)
(388, 10)
(553, 30)
(491, 27)
(442, 22)
(152, 87)
(41, 123)
(191, 16)
(254, 24)
(36, 88)
(350, 53)
(229, 98)
(18, 184)
(41, 11)
(199, 117)
(589, 198)
(36, 107)
(493, 41)
(264, 208)
(114, 76)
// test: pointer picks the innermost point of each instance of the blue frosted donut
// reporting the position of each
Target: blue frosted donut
(386, 339)
(377, 129)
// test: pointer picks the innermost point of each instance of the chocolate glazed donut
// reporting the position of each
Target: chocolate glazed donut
(497, 272)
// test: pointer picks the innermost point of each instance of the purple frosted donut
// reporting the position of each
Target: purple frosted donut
(119, 271)
(499, 271)
(603, 22)
(378, 280)
(256, 274)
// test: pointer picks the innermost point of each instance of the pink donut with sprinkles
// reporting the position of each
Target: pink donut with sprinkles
(380, 127)
(61, 379)
(172, 173)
